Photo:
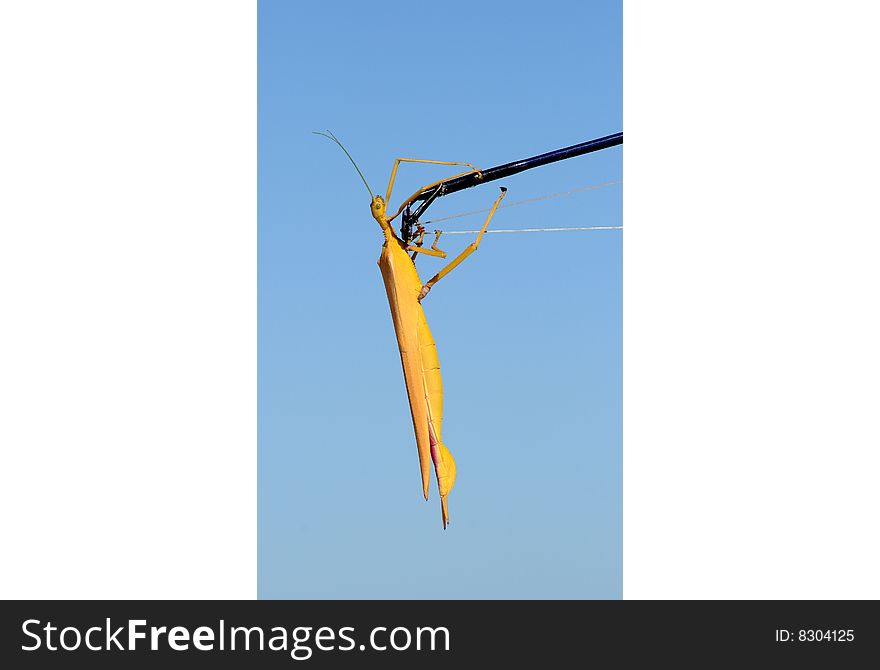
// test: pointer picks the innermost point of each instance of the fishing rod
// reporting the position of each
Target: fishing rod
(410, 219)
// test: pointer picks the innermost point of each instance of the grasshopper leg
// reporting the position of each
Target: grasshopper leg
(471, 248)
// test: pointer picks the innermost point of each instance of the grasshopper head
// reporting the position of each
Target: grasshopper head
(377, 208)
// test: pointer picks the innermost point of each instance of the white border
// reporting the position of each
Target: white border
(128, 300)
(751, 310)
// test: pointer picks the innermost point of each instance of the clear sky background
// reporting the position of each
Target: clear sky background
(528, 329)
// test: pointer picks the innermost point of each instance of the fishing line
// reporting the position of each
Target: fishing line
(530, 230)
(581, 189)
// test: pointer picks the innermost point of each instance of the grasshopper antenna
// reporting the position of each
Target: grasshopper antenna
(331, 136)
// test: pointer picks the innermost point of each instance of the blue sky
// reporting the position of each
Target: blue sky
(528, 329)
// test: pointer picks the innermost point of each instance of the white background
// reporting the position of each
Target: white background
(751, 310)
(128, 300)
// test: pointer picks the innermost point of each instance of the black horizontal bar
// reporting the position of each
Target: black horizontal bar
(473, 179)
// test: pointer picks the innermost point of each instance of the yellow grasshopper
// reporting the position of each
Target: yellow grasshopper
(418, 353)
